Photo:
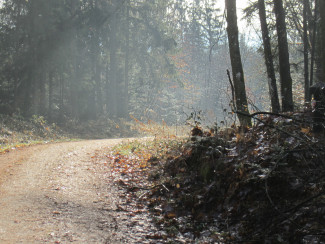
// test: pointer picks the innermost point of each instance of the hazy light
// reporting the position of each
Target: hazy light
(241, 5)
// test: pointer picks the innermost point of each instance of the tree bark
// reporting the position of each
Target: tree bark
(236, 63)
(113, 67)
(127, 56)
(313, 43)
(306, 52)
(51, 90)
(273, 90)
(285, 74)
(42, 90)
(29, 83)
(322, 24)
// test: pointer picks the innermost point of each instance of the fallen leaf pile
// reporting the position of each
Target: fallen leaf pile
(129, 165)
(256, 185)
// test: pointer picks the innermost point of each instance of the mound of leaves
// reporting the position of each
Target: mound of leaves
(130, 164)
(262, 184)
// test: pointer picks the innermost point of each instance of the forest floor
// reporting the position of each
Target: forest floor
(264, 184)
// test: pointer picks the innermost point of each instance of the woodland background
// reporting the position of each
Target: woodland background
(71, 60)
(95, 64)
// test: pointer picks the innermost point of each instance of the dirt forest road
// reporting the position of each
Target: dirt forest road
(57, 193)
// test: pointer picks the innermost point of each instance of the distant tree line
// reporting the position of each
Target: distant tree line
(155, 59)
(81, 59)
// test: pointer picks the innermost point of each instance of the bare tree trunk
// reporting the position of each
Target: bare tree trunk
(51, 88)
(107, 90)
(236, 63)
(313, 44)
(285, 74)
(42, 89)
(113, 71)
(306, 46)
(98, 80)
(127, 56)
(322, 24)
(273, 90)
(113, 68)
(29, 83)
(61, 101)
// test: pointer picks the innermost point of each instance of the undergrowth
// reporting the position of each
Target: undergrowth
(18, 132)
(158, 130)
(264, 184)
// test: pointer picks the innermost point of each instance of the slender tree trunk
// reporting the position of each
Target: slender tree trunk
(114, 96)
(273, 90)
(285, 74)
(61, 116)
(42, 88)
(322, 24)
(74, 100)
(107, 90)
(127, 56)
(113, 69)
(306, 47)
(236, 63)
(28, 88)
(75, 76)
(99, 107)
(51, 90)
(29, 85)
(313, 44)
(97, 67)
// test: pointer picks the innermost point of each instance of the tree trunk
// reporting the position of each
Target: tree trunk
(306, 46)
(62, 91)
(273, 90)
(107, 90)
(322, 24)
(113, 45)
(42, 88)
(51, 89)
(236, 63)
(127, 56)
(313, 44)
(98, 81)
(97, 69)
(29, 83)
(285, 74)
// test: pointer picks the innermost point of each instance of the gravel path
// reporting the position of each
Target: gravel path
(58, 193)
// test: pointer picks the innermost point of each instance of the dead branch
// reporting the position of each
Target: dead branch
(232, 89)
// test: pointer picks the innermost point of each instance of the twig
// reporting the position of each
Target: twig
(232, 89)
(269, 113)
(306, 201)
(143, 188)
(165, 187)
(267, 188)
